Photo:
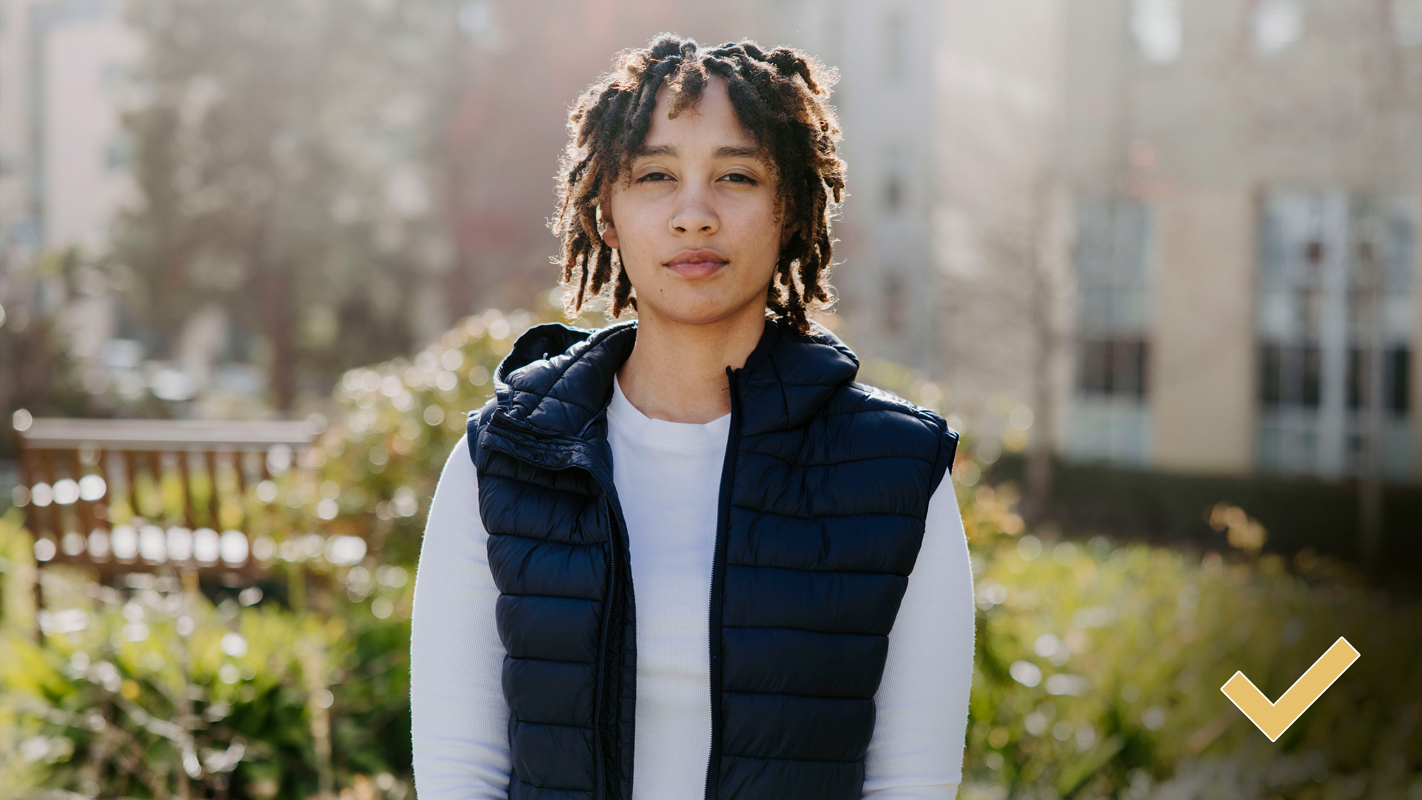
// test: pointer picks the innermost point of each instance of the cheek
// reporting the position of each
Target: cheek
(763, 229)
(637, 222)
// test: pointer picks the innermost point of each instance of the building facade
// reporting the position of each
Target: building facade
(1182, 236)
(64, 158)
(64, 162)
(1245, 184)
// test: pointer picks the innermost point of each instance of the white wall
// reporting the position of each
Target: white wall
(84, 63)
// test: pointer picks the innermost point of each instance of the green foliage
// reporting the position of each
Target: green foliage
(1099, 668)
(396, 425)
(369, 475)
(152, 690)
(398, 422)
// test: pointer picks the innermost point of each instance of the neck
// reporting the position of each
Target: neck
(677, 371)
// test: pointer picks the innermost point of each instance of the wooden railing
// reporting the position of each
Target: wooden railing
(123, 496)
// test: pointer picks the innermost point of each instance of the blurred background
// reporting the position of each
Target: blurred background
(1157, 260)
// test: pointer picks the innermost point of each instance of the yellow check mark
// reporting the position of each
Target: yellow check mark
(1275, 718)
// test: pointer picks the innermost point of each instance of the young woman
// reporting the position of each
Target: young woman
(686, 555)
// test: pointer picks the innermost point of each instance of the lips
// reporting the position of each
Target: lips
(696, 263)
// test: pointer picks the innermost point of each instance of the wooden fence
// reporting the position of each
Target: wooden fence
(121, 496)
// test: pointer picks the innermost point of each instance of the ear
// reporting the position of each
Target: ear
(608, 231)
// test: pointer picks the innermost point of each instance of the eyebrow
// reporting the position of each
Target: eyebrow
(725, 151)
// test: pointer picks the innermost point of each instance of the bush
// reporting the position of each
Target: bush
(268, 701)
(151, 690)
(1099, 668)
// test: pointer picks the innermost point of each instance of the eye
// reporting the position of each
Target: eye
(742, 178)
(652, 177)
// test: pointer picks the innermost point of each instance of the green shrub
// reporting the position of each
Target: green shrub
(318, 698)
(152, 690)
(1099, 668)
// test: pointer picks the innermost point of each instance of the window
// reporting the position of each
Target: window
(1276, 25)
(1113, 260)
(1156, 27)
(1394, 362)
(1113, 296)
(1335, 295)
(1288, 375)
(1113, 367)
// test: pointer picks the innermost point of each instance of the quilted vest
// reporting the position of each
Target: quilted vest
(823, 495)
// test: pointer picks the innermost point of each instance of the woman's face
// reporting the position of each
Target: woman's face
(696, 226)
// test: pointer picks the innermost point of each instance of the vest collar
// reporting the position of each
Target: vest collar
(558, 378)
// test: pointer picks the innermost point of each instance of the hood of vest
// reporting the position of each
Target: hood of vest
(549, 377)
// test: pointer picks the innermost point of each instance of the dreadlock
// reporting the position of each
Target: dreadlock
(779, 96)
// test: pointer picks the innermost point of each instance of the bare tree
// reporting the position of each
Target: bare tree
(1387, 93)
(281, 156)
(1004, 276)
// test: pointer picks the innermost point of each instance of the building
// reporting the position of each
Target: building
(1245, 186)
(64, 160)
(886, 277)
(63, 67)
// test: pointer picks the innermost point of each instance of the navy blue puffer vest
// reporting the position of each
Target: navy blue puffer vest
(823, 496)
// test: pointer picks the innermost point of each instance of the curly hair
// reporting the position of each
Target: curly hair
(780, 97)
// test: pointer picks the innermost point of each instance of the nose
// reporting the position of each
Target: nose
(694, 215)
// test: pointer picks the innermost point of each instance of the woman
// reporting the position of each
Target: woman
(714, 448)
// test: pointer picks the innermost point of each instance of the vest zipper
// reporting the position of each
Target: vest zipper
(602, 649)
(602, 789)
(714, 622)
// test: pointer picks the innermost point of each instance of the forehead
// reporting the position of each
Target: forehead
(711, 122)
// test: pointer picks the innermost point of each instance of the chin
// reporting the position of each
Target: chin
(694, 308)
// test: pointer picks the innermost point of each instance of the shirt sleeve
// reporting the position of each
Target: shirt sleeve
(916, 751)
(459, 717)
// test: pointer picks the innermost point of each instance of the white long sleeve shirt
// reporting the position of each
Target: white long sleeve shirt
(667, 476)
